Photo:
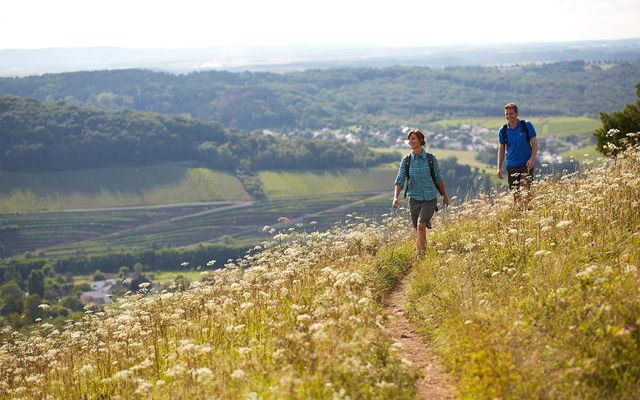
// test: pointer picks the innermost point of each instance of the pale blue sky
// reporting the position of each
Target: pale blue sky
(31, 24)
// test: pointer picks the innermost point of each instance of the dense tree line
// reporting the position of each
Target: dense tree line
(26, 283)
(333, 98)
(39, 136)
(169, 259)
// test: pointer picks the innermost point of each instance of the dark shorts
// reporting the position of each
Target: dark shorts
(519, 177)
(422, 211)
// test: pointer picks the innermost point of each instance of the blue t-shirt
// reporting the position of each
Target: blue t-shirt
(519, 149)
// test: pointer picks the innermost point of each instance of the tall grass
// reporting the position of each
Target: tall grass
(298, 318)
(543, 303)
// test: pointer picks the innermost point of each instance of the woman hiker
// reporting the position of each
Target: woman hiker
(424, 181)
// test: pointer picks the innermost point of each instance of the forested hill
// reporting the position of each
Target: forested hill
(38, 136)
(337, 97)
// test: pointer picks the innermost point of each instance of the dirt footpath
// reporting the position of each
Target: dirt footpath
(434, 383)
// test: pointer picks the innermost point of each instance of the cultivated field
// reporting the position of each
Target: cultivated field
(212, 206)
(116, 187)
(57, 234)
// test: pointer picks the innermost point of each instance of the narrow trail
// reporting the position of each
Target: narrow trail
(434, 383)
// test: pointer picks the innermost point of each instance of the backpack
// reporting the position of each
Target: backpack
(407, 162)
(523, 126)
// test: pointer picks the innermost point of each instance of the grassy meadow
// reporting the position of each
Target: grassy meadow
(536, 303)
(541, 303)
(300, 318)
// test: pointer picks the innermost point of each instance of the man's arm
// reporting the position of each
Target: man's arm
(534, 151)
(501, 157)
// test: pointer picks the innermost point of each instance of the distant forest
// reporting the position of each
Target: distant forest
(336, 98)
(36, 136)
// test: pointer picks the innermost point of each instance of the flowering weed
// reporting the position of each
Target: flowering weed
(542, 303)
(299, 317)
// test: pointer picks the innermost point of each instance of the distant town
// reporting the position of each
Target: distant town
(464, 137)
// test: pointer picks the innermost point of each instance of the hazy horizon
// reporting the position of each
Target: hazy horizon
(192, 24)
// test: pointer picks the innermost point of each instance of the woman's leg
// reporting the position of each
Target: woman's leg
(421, 239)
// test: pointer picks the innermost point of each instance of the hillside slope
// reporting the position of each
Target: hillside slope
(301, 318)
(540, 304)
(543, 303)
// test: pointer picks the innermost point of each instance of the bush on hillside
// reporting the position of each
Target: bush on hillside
(618, 129)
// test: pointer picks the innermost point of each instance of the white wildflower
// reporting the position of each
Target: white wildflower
(123, 375)
(303, 318)
(202, 374)
(238, 374)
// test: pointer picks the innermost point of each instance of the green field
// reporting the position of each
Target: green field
(285, 184)
(85, 221)
(565, 126)
(464, 157)
(58, 234)
(116, 187)
(583, 154)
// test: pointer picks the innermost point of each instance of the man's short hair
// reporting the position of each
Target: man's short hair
(418, 133)
(511, 106)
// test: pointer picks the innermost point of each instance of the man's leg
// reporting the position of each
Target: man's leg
(525, 185)
(517, 183)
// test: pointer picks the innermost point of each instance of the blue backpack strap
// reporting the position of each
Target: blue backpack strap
(525, 129)
(523, 126)
(503, 133)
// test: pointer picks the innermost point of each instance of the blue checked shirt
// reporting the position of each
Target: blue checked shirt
(421, 186)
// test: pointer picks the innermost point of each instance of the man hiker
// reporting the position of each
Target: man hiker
(519, 139)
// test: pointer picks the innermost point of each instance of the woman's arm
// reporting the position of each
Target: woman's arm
(397, 190)
(443, 192)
